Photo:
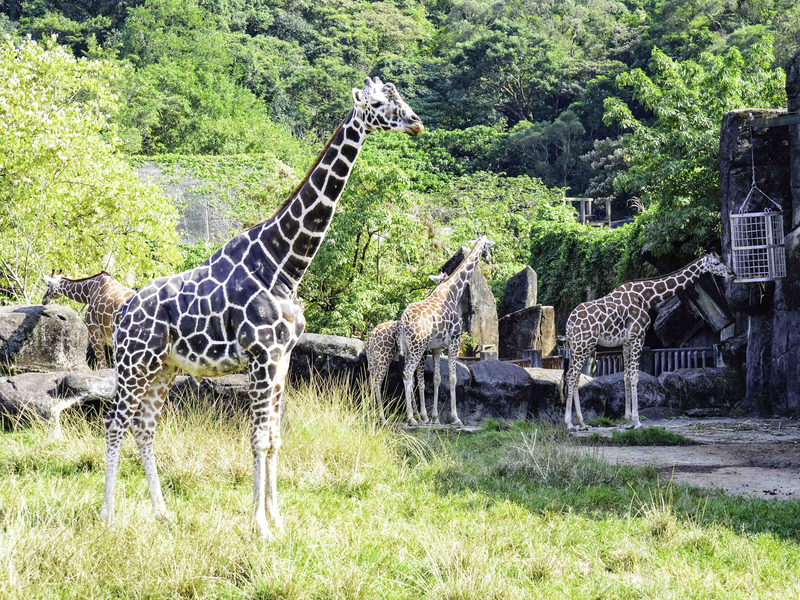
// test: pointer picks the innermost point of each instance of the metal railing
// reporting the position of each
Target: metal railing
(655, 362)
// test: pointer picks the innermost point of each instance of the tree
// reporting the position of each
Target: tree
(67, 196)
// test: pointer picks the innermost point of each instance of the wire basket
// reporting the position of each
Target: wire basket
(757, 246)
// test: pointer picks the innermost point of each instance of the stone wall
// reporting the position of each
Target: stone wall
(769, 314)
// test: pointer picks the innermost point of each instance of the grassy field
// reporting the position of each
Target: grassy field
(373, 512)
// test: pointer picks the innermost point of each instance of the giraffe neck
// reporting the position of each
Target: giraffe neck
(655, 293)
(294, 235)
(80, 291)
(453, 287)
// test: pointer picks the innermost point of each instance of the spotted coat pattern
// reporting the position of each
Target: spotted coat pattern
(432, 324)
(238, 309)
(621, 318)
(103, 295)
(382, 349)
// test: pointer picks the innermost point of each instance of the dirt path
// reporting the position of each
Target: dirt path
(754, 457)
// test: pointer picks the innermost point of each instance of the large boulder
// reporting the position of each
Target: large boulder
(497, 390)
(45, 395)
(605, 396)
(38, 339)
(462, 384)
(330, 357)
(227, 391)
(526, 329)
(547, 394)
(690, 389)
(675, 323)
(521, 292)
(478, 306)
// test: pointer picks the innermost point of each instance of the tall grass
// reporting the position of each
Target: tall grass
(371, 512)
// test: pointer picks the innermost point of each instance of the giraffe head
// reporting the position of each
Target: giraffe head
(712, 263)
(384, 109)
(53, 290)
(487, 243)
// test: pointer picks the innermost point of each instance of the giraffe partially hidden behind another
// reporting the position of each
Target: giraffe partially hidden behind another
(432, 324)
(104, 296)
(621, 318)
(238, 309)
(382, 349)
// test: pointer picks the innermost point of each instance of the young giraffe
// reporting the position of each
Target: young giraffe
(382, 349)
(432, 324)
(104, 295)
(238, 309)
(621, 317)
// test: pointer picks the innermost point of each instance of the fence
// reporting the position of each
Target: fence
(654, 362)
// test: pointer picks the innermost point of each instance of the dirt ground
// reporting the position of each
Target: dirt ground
(748, 457)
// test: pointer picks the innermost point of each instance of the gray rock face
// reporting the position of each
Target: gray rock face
(689, 389)
(734, 354)
(330, 356)
(498, 390)
(674, 324)
(478, 306)
(38, 339)
(462, 384)
(45, 395)
(605, 396)
(529, 328)
(521, 292)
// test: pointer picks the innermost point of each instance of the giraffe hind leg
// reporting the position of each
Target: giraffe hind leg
(452, 353)
(578, 359)
(437, 379)
(423, 410)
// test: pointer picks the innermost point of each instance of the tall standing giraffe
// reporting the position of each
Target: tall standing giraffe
(432, 324)
(382, 349)
(621, 318)
(104, 296)
(238, 309)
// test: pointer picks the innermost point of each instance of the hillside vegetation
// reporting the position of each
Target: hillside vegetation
(523, 101)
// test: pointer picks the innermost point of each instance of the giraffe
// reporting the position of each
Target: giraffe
(104, 296)
(432, 324)
(238, 309)
(621, 317)
(382, 350)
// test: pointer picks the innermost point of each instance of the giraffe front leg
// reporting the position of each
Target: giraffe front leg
(573, 379)
(452, 354)
(423, 410)
(143, 426)
(635, 354)
(437, 379)
(98, 346)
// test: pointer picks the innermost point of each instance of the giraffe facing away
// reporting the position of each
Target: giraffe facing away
(621, 318)
(432, 324)
(238, 309)
(382, 349)
(104, 296)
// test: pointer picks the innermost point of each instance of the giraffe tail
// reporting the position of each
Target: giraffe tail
(564, 385)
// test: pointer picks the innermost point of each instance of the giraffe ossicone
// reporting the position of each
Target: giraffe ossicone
(433, 324)
(103, 295)
(238, 309)
(621, 318)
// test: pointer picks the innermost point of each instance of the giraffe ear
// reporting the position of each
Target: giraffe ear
(48, 280)
(438, 278)
(489, 243)
(359, 98)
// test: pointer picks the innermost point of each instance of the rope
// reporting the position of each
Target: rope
(753, 186)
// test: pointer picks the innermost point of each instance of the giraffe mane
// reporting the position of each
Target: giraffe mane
(670, 274)
(293, 194)
(103, 272)
(449, 277)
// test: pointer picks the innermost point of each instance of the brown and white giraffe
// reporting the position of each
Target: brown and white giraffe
(238, 309)
(621, 318)
(432, 324)
(103, 295)
(382, 349)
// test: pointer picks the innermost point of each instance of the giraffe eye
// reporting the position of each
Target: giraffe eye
(375, 104)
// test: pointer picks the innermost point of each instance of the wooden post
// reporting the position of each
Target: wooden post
(608, 212)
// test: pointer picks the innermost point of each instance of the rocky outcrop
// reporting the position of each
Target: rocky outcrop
(605, 396)
(674, 323)
(526, 329)
(521, 292)
(331, 357)
(38, 339)
(478, 306)
(692, 389)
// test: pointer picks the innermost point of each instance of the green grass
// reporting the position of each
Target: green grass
(372, 512)
(604, 422)
(647, 436)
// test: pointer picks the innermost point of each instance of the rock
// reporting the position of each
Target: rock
(45, 395)
(521, 292)
(462, 383)
(330, 357)
(707, 412)
(529, 328)
(734, 354)
(674, 323)
(605, 396)
(659, 413)
(689, 389)
(38, 339)
(478, 306)
(497, 390)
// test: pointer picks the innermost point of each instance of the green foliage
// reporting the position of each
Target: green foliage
(68, 199)
(647, 436)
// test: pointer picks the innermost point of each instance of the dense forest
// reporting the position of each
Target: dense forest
(524, 102)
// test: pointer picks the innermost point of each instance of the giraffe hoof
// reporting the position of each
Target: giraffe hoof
(572, 428)
(583, 428)
(435, 421)
(106, 517)
(457, 423)
(411, 423)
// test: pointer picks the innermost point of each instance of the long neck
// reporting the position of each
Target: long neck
(80, 291)
(294, 236)
(662, 288)
(453, 287)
